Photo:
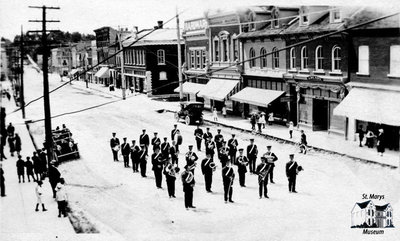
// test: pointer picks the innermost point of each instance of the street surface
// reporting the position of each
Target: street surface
(133, 206)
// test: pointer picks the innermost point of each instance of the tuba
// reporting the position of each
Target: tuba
(116, 148)
(193, 166)
(212, 166)
(189, 177)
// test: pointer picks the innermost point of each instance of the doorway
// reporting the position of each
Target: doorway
(320, 115)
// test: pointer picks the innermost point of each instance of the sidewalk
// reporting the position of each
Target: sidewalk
(317, 140)
(18, 219)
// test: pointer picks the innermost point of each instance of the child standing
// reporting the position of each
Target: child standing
(291, 127)
(39, 192)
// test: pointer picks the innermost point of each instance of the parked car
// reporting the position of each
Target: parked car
(190, 112)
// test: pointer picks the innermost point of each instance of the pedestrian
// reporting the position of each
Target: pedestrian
(17, 141)
(10, 129)
(135, 156)
(215, 114)
(144, 139)
(270, 159)
(224, 111)
(8, 95)
(173, 153)
(43, 162)
(262, 172)
(39, 193)
(242, 162)
(115, 146)
(292, 169)
(20, 169)
(370, 139)
(2, 181)
(156, 160)
(360, 135)
(36, 166)
(253, 122)
(233, 146)
(170, 171)
(303, 142)
(252, 153)
(54, 177)
(11, 144)
(61, 198)
(291, 128)
(198, 133)
(228, 175)
(207, 168)
(188, 184)
(270, 118)
(380, 144)
(155, 142)
(29, 169)
(262, 120)
(143, 159)
(125, 151)
(260, 123)
(191, 159)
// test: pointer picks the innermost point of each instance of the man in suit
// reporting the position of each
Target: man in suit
(198, 133)
(157, 166)
(188, 183)
(262, 171)
(135, 156)
(143, 159)
(228, 175)
(233, 145)
(270, 158)
(165, 147)
(207, 136)
(291, 173)
(252, 153)
(174, 154)
(114, 144)
(242, 162)
(207, 170)
(144, 139)
(125, 150)
(155, 142)
(191, 158)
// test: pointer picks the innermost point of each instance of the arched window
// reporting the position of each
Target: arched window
(304, 58)
(263, 58)
(252, 54)
(292, 58)
(319, 59)
(216, 49)
(161, 56)
(336, 58)
(275, 58)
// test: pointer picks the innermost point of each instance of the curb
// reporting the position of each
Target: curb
(284, 141)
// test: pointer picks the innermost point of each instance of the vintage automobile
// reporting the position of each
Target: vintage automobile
(65, 148)
(190, 112)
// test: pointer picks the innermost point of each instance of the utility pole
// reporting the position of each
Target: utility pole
(46, 95)
(121, 54)
(179, 57)
(21, 95)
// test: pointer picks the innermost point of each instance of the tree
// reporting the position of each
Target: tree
(76, 37)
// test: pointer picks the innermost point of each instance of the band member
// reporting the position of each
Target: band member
(242, 162)
(292, 169)
(158, 165)
(207, 136)
(223, 154)
(178, 140)
(170, 171)
(219, 138)
(210, 147)
(228, 175)
(125, 150)
(303, 142)
(144, 139)
(143, 159)
(198, 133)
(135, 156)
(188, 183)
(165, 147)
(174, 131)
(207, 168)
(191, 159)
(262, 171)
(114, 144)
(232, 144)
(173, 153)
(252, 153)
(271, 158)
(155, 142)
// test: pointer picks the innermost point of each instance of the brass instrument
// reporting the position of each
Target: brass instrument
(210, 145)
(189, 177)
(213, 166)
(299, 169)
(242, 162)
(268, 157)
(193, 166)
(116, 148)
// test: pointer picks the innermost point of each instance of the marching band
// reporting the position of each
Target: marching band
(164, 160)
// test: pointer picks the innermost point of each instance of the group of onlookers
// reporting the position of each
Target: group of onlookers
(371, 137)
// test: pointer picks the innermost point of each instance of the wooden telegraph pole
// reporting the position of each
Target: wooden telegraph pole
(21, 95)
(45, 69)
(179, 57)
(121, 55)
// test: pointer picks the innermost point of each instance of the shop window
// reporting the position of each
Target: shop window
(204, 59)
(293, 58)
(192, 59)
(252, 55)
(395, 60)
(363, 60)
(304, 58)
(319, 58)
(336, 58)
(263, 58)
(163, 75)
(275, 58)
(198, 59)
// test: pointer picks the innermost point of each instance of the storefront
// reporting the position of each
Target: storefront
(103, 75)
(135, 78)
(217, 91)
(191, 90)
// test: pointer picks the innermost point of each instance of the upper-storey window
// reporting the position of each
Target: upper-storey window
(225, 49)
(252, 25)
(304, 58)
(363, 59)
(335, 16)
(252, 55)
(263, 58)
(204, 59)
(235, 48)
(161, 56)
(395, 60)
(304, 19)
(275, 58)
(216, 49)
(198, 59)
(336, 58)
(319, 58)
(275, 21)
(292, 58)
(192, 59)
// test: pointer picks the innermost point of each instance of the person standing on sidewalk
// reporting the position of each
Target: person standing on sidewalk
(360, 135)
(252, 153)
(36, 166)
(370, 139)
(253, 122)
(61, 198)
(303, 142)
(198, 133)
(39, 193)
(11, 144)
(259, 123)
(262, 120)
(10, 129)
(29, 169)
(224, 111)
(270, 118)
(215, 114)
(21, 169)
(2, 181)
(380, 144)
(54, 177)
(18, 144)
(291, 128)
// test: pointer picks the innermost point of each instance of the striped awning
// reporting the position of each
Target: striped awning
(190, 88)
(219, 89)
(255, 96)
(103, 73)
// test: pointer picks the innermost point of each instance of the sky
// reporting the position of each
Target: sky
(86, 15)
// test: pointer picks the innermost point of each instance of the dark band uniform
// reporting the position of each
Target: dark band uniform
(174, 154)
(291, 173)
(210, 148)
(207, 136)
(155, 142)
(157, 167)
(232, 144)
(113, 143)
(252, 153)
(228, 175)
(242, 162)
(223, 155)
(135, 157)
(207, 172)
(144, 139)
(173, 133)
(219, 138)
(273, 158)
(126, 150)
(143, 160)
(198, 133)
(170, 176)
(262, 171)
(188, 188)
(191, 158)
(165, 148)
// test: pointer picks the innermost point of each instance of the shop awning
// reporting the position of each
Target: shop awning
(191, 88)
(258, 97)
(102, 73)
(219, 89)
(74, 71)
(378, 106)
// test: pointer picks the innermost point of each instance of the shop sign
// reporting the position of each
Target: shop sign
(314, 78)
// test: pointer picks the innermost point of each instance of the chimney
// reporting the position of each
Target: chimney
(160, 24)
